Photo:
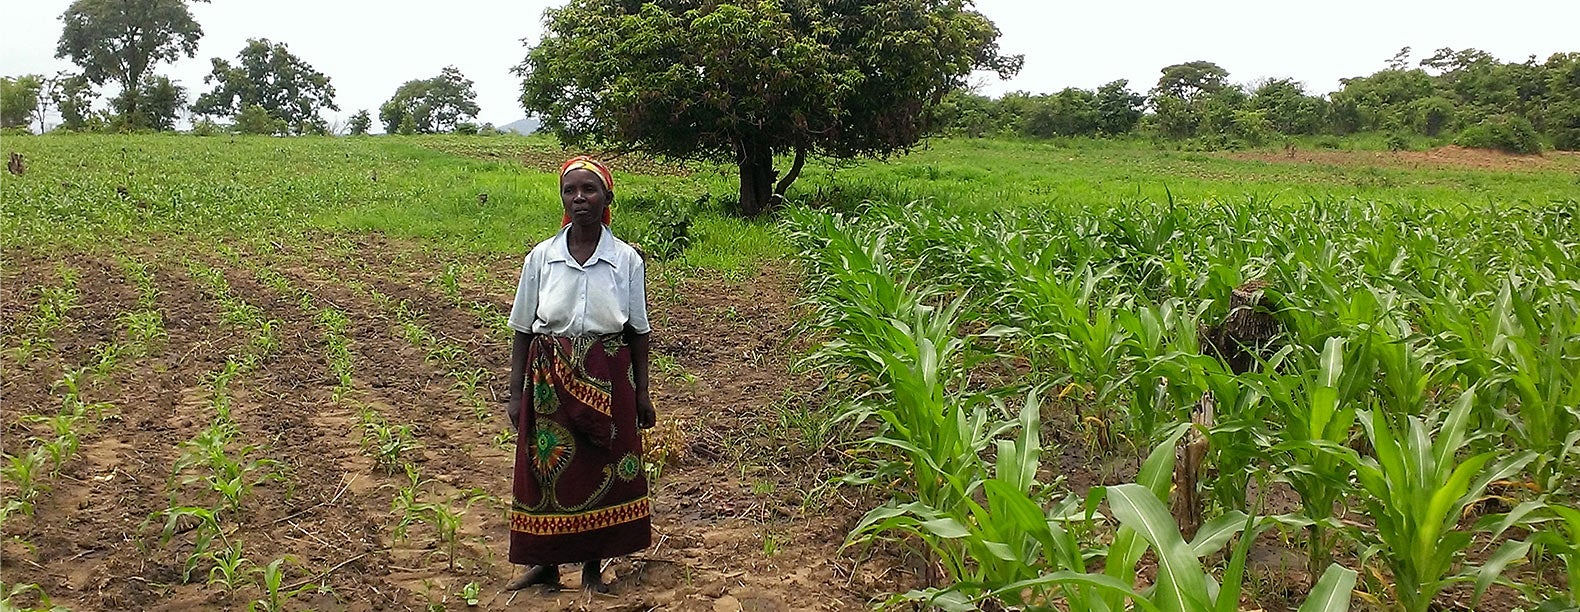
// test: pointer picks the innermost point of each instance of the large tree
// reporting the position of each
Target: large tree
(122, 40)
(18, 99)
(269, 76)
(1191, 80)
(1118, 108)
(430, 105)
(741, 82)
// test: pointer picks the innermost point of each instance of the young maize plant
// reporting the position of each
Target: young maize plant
(445, 521)
(1386, 314)
(1416, 489)
(1319, 399)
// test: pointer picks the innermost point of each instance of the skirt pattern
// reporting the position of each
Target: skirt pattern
(579, 490)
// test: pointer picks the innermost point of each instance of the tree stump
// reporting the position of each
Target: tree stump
(1250, 333)
(15, 164)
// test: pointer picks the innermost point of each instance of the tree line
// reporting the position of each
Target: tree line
(1468, 95)
(266, 89)
(751, 84)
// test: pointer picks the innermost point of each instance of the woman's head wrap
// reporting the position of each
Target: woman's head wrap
(583, 162)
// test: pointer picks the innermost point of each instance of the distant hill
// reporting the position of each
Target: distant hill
(524, 125)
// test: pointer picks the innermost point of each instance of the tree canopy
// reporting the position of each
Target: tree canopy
(267, 75)
(430, 105)
(18, 97)
(74, 98)
(360, 123)
(122, 40)
(1191, 80)
(741, 82)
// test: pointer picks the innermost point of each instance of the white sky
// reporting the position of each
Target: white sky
(368, 48)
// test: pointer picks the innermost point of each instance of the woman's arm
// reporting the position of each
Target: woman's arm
(518, 376)
(640, 356)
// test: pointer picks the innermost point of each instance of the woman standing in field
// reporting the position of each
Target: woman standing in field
(578, 392)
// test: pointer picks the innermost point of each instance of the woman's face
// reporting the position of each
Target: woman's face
(584, 196)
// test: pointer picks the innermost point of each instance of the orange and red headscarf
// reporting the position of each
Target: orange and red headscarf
(583, 162)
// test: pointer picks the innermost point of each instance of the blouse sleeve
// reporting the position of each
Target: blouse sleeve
(636, 309)
(525, 310)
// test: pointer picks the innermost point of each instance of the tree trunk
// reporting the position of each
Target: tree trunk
(790, 177)
(756, 161)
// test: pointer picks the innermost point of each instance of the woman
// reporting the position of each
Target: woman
(578, 392)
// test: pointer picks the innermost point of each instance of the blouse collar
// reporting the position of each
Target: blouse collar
(560, 249)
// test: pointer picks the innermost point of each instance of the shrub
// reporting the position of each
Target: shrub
(1432, 116)
(206, 127)
(256, 120)
(1563, 124)
(1510, 133)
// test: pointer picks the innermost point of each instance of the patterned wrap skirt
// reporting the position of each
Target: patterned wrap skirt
(580, 490)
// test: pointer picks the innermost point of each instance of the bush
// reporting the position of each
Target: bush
(1510, 133)
(206, 127)
(1397, 141)
(667, 232)
(1253, 127)
(255, 119)
(1432, 116)
(1563, 124)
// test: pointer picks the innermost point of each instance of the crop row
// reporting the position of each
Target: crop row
(1415, 359)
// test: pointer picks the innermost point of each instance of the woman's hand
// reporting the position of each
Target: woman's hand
(513, 412)
(645, 416)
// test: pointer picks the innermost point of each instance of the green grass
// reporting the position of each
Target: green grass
(81, 190)
(983, 175)
(84, 189)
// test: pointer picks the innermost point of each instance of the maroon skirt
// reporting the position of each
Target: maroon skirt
(580, 490)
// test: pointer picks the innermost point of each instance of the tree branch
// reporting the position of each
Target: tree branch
(795, 171)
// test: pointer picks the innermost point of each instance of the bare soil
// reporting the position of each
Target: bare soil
(743, 517)
(742, 520)
(1450, 157)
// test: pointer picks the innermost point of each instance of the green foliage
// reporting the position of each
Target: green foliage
(19, 97)
(1191, 80)
(360, 123)
(157, 104)
(1288, 108)
(1071, 112)
(256, 119)
(271, 583)
(764, 78)
(204, 126)
(268, 76)
(1118, 108)
(428, 106)
(1510, 133)
(1376, 101)
(74, 99)
(1432, 116)
(1417, 487)
(1441, 333)
(122, 41)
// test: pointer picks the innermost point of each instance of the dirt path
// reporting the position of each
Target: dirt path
(1446, 157)
(742, 520)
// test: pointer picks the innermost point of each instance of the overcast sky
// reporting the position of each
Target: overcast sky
(368, 48)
